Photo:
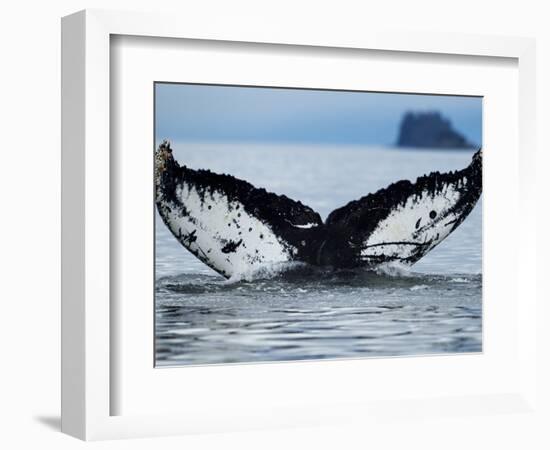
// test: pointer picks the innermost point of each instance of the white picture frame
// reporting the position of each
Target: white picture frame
(88, 322)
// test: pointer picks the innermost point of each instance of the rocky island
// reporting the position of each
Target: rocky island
(430, 130)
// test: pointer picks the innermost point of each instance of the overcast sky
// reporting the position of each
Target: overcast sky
(214, 113)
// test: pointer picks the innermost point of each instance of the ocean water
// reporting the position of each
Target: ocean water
(432, 308)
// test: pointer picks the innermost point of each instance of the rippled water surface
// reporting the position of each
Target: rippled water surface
(307, 313)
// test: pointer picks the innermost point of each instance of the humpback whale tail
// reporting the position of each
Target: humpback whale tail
(234, 227)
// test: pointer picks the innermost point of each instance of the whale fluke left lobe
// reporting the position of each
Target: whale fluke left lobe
(228, 223)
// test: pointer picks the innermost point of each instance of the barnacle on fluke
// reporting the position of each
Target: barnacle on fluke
(233, 226)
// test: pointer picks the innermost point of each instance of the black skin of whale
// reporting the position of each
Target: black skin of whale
(338, 241)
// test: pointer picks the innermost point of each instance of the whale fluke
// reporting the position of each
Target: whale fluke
(234, 227)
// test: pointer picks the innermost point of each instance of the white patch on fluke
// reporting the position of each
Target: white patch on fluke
(215, 223)
(306, 226)
(398, 235)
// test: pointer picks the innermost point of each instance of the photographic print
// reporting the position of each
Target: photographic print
(305, 224)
